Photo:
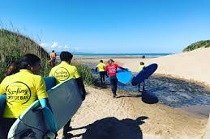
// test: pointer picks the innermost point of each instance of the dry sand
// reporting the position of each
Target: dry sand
(127, 117)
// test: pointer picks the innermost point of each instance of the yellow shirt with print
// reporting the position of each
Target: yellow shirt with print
(101, 67)
(21, 89)
(64, 71)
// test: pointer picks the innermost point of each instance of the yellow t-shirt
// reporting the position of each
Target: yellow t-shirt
(101, 67)
(64, 71)
(140, 67)
(21, 89)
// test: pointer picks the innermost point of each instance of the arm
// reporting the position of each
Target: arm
(48, 114)
(2, 103)
(123, 68)
(81, 87)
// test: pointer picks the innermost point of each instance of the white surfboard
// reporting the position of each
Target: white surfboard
(65, 99)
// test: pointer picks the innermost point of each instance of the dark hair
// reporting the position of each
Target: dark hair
(65, 56)
(141, 63)
(101, 61)
(28, 60)
(12, 68)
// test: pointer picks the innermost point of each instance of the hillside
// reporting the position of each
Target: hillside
(13, 45)
(196, 45)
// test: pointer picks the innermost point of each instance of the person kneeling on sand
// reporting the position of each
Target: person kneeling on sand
(111, 68)
(60, 74)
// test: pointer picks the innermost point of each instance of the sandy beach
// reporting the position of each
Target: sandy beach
(128, 117)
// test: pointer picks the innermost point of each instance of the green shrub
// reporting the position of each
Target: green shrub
(13, 45)
(85, 73)
(196, 45)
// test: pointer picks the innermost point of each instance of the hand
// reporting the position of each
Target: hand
(126, 69)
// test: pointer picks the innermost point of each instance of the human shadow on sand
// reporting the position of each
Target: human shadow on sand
(112, 128)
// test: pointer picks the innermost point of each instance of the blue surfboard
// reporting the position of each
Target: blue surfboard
(124, 76)
(144, 74)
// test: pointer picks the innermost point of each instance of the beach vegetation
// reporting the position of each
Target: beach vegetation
(13, 45)
(85, 72)
(196, 45)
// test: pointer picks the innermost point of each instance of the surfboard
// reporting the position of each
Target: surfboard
(124, 76)
(65, 99)
(49, 82)
(144, 74)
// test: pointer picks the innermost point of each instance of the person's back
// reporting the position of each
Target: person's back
(101, 68)
(22, 89)
(52, 58)
(141, 66)
(63, 72)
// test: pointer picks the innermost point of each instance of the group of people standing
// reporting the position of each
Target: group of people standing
(23, 76)
(111, 69)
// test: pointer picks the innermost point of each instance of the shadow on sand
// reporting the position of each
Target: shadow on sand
(112, 128)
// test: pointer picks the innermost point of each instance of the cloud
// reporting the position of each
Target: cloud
(58, 47)
(54, 45)
(45, 45)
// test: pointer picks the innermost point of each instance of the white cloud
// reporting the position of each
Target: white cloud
(45, 45)
(54, 45)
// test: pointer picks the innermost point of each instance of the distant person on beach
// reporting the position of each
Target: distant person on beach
(102, 71)
(65, 71)
(52, 58)
(111, 68)
(141, 67)
(24, 79)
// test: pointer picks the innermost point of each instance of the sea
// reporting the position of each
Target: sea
(104, 55)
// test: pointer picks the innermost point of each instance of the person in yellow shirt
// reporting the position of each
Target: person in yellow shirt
(141, 67)
(102, 71)
(21, 90)
(65, 71)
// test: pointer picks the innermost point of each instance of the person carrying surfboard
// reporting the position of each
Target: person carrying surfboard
(22, 89)
(102, 72)
(141, 67)
(65, 71)
(111, 68)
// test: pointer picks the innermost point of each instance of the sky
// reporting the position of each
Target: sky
(109, 26)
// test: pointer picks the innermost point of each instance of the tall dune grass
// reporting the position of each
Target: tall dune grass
(13, 45)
